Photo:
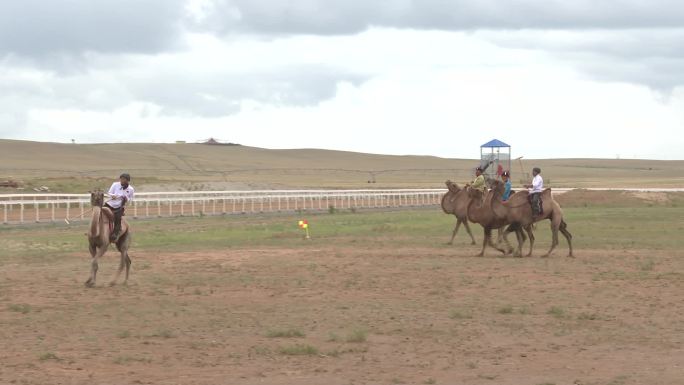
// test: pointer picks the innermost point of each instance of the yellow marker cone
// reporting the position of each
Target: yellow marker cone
(303, 224)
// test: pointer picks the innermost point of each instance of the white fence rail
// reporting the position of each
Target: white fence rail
(26, 208)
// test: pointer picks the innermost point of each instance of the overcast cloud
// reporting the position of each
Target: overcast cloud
(437, 77)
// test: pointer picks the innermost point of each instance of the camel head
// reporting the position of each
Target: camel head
(453, 187)
(97, 198)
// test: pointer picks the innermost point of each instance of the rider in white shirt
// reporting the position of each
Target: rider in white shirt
(120, 193)
(535, 190)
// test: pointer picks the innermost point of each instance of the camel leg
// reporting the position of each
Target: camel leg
(92, 249)
(487, 233)
(524, 239)
(530, 235)
(94, 266)
(554, 240)
(122, 245)
(467, 227)
(510, 229)
(564, 229)
(453, 235)
(509, 248)
(490, 243)
(520, 237)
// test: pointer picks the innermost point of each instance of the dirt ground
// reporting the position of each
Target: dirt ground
(323, 314)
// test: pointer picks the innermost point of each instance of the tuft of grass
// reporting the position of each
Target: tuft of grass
(124, 334)
(298, 350)
(357, 336)
(487, 376)
(163, 333)
(588, 317)
(49, 356)
(508, 309)
(556, 311)
(648, 265)
(287, 333)
(122, 360)
(19, 308)
(459, 314)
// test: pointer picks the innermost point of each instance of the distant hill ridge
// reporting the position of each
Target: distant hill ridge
(194, 162)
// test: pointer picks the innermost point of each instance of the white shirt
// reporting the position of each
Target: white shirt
(537, 184)
(117, 191)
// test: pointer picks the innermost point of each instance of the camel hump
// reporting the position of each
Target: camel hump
(108, 213)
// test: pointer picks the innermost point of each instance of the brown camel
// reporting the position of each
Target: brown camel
(480, 211)
(455, 202)
(518, 211)
(101, 225)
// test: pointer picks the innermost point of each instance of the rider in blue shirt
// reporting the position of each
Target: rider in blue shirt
(506, 176)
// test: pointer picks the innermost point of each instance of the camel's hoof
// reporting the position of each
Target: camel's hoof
(571, 256)
(89, 283)
(449, 243)
(473, 243)
(113, 283)
(544, 256)
(479, 255)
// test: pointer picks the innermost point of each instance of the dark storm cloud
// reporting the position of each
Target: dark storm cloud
(43, 28)
(351, 16)
(623, 40)
(76, 51)
(40, 28)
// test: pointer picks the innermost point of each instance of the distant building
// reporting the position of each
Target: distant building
(217, 142)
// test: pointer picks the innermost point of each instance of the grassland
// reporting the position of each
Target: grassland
(375, 298)
(80, 167)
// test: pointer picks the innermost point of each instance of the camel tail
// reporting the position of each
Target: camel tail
(513, 227)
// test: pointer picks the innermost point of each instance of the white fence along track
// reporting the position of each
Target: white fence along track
(28, 208)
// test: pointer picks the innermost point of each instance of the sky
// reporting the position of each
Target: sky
(552, 78)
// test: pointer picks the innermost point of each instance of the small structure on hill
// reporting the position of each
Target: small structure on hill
(217, 142)
(495, 158)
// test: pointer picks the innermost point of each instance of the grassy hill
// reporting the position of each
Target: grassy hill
(78, 167)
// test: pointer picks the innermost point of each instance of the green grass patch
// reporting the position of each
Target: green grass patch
(125, 359)
(557, 312)
(49, 356)
(357, 336)
(19, 308)
(298, 350)
(610, 228)
(508, 309)
(286, 333)
(460, 314)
